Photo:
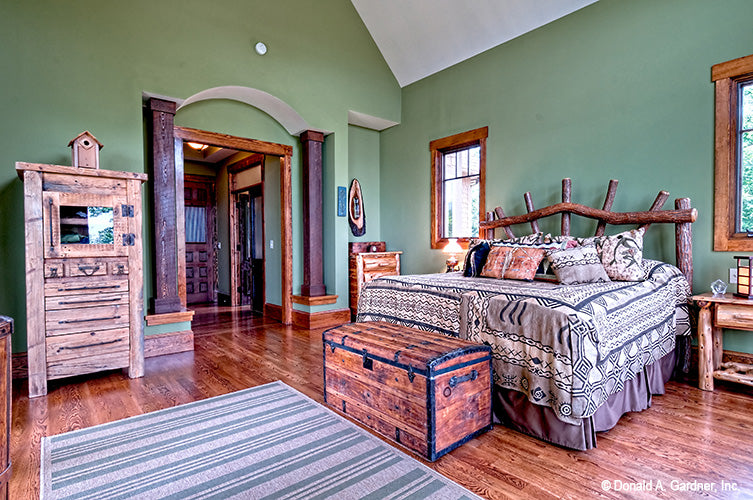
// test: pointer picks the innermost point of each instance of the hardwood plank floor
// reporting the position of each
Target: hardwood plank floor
(687, 437)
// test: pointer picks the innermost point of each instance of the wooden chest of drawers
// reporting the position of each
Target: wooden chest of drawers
(84, 287)
(365, 266)
(426, 391)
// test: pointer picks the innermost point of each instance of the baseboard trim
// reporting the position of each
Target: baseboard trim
(273, 311)
(310, 321)
(168, 343)
(154, 345)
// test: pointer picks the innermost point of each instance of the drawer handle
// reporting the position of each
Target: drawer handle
(67, 321)
(89, 345)
(52, 234)
(91, 287)
(742, 316)
(92, 301)
(88, 270)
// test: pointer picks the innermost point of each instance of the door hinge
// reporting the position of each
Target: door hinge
(126, 210)
(129, 239)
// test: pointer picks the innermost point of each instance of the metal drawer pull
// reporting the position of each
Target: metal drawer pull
(70, 302)
(91, 287)
(459, 380)
(742, 316)
(89, 345)
(88, 270)
(52, 234)
(67, 321)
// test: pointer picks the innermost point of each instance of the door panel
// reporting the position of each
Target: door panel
(200, 240)
(250, 220)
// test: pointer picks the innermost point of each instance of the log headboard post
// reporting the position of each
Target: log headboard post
(684, 242)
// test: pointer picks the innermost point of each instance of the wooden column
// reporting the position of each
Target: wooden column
(313, 269)
(161, 117)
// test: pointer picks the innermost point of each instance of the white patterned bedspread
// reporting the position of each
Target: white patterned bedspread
(589, 340)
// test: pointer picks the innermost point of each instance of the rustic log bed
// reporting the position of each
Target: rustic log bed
(682, 217)
(558, 401)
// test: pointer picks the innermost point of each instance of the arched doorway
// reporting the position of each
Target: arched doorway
(165, 139)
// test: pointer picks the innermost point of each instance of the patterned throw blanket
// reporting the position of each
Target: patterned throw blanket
(565, 347)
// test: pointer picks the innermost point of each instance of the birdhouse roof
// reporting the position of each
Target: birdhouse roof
(87, 133)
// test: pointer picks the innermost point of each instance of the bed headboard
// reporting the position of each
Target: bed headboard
(682, 217)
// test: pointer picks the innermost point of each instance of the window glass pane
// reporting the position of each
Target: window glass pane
(86, 225)
(461, 213)
(474, 160)
(747, 106)
(462, 162)
(746, 182)
(449, 166)
(196, 225)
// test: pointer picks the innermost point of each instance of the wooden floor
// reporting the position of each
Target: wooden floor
(688, 437)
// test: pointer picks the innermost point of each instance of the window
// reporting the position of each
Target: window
(733, 163)
(458, 171)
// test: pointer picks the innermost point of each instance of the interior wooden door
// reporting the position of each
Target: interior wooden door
(250, 231)
(200, 217)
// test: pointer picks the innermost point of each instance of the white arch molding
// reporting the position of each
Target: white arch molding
(275, 107)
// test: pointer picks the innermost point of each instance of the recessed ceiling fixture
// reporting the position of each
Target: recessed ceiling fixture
(260, 48)
(197, 146)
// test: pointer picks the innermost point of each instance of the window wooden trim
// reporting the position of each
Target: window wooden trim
(438, 147)
(727, 76)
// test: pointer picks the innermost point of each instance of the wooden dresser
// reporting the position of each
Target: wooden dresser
(84, 285)
(369, 260)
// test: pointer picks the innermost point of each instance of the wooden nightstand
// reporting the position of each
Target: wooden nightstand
(717, 312)
(369, 260)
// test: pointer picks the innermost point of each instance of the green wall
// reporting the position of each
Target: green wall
(84, 65)
(363, 163)
(618, 90)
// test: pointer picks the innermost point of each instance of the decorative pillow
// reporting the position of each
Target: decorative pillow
(529, 239)
(622, 255)
(577, 265)
(496, 262)
(594, 241)
(476, 257)
(517, 263)
(523, 263)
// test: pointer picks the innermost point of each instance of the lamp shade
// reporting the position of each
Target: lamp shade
(453, 246)
(744, 274)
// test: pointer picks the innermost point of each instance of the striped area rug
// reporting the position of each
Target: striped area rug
(266, 442)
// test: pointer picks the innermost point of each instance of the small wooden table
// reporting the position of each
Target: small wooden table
(717, 312)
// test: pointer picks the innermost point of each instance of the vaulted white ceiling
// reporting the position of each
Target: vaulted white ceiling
(421, 37)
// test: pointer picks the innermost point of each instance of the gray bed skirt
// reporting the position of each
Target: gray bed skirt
(512, 409)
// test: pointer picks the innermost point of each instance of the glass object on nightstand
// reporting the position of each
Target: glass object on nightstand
(719, 287)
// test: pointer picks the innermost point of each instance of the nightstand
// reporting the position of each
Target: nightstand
(369, 260)
(717, 312)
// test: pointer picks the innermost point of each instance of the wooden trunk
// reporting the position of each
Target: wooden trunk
(6, 331)
(427, 392)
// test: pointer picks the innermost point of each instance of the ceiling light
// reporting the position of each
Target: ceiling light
(260, 48)
(197, 146)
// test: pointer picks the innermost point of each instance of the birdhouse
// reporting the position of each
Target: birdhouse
(85, 150)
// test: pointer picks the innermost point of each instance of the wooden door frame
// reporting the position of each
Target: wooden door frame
(285, 154)
(232, 171)
(212, 226)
